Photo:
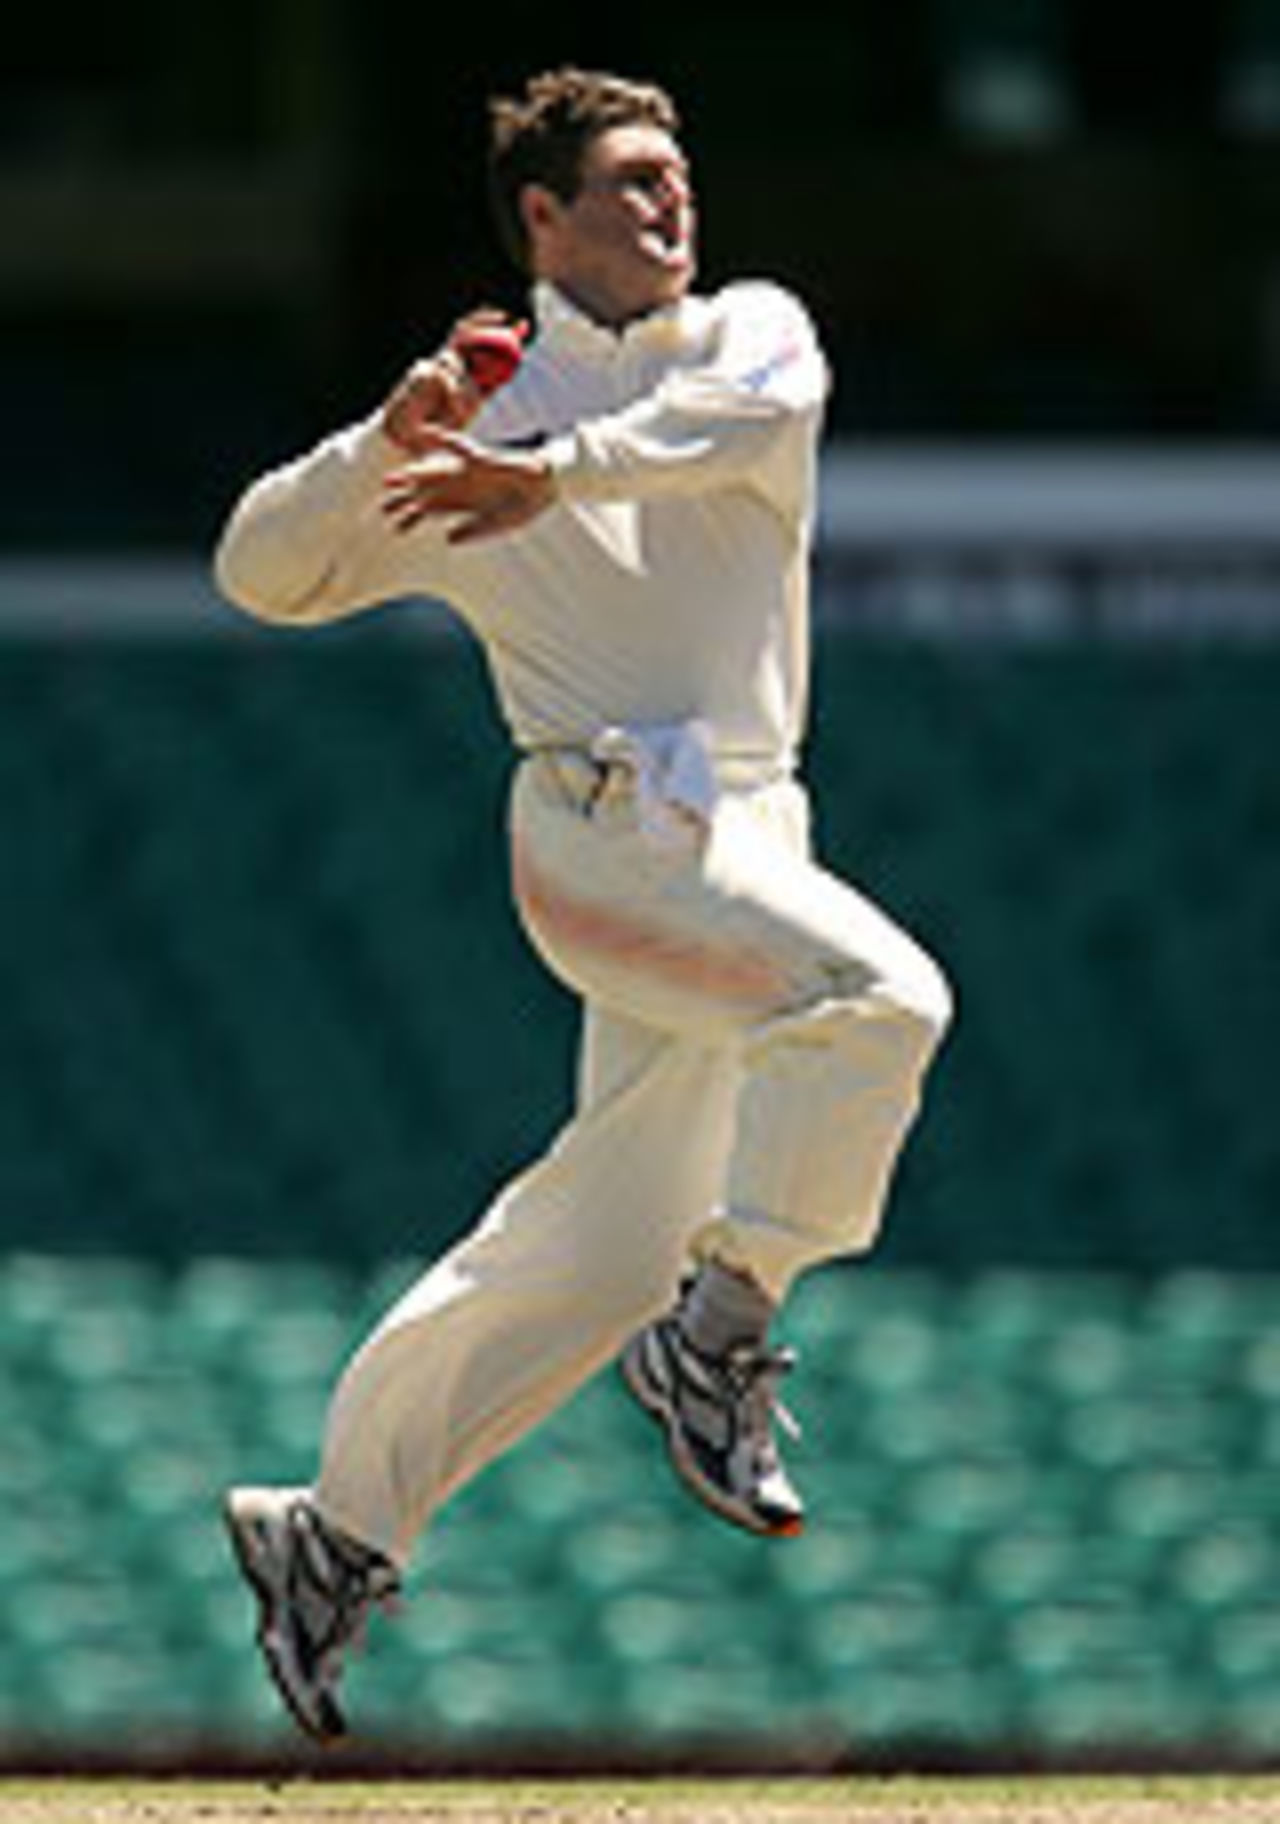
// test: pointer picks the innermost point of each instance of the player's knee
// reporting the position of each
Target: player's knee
(910, 1002)
(923, 998)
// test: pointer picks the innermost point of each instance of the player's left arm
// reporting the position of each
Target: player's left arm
(743, 415)
(746, 414)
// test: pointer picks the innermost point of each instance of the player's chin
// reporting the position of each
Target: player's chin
(653, 283)
(671, 271)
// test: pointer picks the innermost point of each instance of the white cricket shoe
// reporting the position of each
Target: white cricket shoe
(315, 1590)
(718, 1412)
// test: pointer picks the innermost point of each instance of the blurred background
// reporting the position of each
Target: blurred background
(249, 876)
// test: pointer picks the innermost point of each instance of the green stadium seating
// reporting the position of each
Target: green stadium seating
(1043, 1514)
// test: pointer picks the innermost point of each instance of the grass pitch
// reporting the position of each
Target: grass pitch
(852, 1800)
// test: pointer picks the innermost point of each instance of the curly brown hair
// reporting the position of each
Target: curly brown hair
(540, 137)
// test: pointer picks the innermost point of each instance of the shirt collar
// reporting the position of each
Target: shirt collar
(672, 329)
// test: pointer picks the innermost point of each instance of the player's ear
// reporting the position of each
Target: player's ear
(541, 212)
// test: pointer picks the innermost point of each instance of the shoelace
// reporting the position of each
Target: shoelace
(753, 1372)
(345, 1588)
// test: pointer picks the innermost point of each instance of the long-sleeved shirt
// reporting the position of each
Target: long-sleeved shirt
(668, 580)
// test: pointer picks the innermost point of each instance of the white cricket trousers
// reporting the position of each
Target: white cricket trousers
(755, 1037)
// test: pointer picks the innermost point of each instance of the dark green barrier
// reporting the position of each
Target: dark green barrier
(263, 992)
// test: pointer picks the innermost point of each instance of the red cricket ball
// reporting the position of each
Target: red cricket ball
(492, 352)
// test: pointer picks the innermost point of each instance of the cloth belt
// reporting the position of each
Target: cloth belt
(668, 768)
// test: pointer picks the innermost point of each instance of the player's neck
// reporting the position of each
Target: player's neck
(604, 310)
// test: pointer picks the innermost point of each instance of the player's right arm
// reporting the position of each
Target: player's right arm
(307, 542)
(302, 544)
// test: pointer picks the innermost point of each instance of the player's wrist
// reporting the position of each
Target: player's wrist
(574, 468)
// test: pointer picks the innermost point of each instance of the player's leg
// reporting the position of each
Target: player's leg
(740, 936)
(838, 1013)
(829, 1093)
(571, 1257)
(578, 1251)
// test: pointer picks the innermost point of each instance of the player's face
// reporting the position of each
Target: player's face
(624, 245)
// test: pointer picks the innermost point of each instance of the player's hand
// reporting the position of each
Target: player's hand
(437, 392)
(484, 491)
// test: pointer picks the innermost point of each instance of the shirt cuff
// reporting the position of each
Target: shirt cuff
(576, 476)
(367, 450)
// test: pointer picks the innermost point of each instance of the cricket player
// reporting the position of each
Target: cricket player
(625, 526)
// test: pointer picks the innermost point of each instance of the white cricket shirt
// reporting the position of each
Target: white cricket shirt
(667, 582)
